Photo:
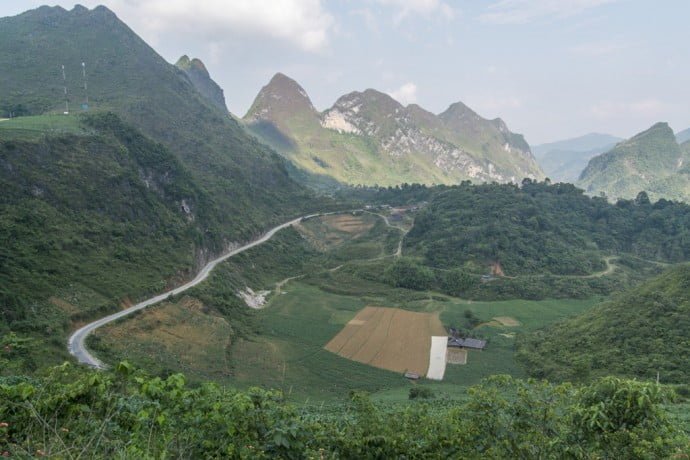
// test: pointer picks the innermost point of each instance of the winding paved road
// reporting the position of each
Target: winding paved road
(76, 344)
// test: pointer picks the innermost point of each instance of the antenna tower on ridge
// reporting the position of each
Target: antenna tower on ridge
(85, 105)
(64, 85)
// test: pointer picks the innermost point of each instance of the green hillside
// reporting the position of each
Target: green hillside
(369, 138)
(89, 219)
(651, 161)
(103, 206)
(637, 334)
(126, 76)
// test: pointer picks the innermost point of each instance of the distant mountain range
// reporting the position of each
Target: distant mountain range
(652, 161)
(563, 161)
(369, 138)
(683, 136)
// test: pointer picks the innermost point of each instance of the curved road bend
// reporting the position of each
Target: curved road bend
(76, 344)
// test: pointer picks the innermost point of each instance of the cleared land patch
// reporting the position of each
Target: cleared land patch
(178, 334)
(388, 338)
(456, 356)
(507, 321)
(327, 232)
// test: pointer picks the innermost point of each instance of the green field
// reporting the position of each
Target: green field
(297, 325)
(281, 345)
(40, 125)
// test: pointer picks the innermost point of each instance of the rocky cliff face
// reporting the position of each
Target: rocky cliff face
(395, 143)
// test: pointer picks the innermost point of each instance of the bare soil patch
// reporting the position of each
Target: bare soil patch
(175, 332)
(456, 356)
(507, 321)
(388, 338)
(348, 223)
(327, 232)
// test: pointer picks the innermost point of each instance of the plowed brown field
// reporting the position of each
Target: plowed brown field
(388, 338)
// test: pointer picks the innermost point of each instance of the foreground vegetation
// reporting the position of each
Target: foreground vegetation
(70, 412)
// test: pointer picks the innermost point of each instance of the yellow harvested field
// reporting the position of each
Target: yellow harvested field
(388, 338)
(507, 321)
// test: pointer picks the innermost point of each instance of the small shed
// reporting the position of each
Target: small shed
(475, 344)
(411, 375)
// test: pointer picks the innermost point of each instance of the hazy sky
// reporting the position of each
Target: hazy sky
(551, 69)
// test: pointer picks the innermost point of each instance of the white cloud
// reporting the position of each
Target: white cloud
(406, 94)
(301, 23)
(525, 11)
(406, 8)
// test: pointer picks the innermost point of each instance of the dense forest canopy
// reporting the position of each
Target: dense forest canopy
(543, 228)
(637, 334)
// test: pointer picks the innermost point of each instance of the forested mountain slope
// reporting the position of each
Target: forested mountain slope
(126, 196)
(247, 183)
(637, 334)
(89, 218)
(651, 161)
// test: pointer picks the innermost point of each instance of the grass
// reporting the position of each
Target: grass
(289, 352)
(176, 336)
(27, 128)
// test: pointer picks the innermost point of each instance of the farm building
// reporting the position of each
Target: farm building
(411, 375)
(475, 344)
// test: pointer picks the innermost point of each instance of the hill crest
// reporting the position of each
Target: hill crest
(651, 161)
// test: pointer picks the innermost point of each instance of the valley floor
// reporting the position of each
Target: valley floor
(286, 347)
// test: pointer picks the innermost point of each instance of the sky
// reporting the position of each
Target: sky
(552, 69)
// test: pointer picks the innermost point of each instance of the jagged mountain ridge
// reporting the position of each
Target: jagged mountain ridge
(650, 161)
(202, 81)
(370, 138)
